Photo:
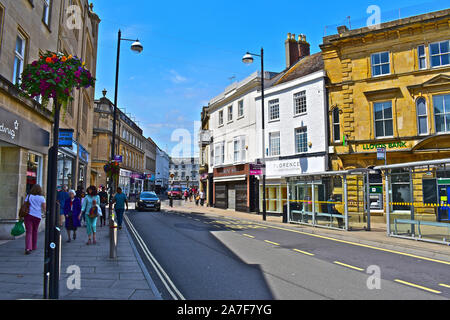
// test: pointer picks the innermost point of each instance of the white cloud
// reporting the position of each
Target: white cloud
(176, 77)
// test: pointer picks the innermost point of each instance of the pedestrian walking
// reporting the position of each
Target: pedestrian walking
(202, 198)
(81, 195)
(197, 198)
(186, 195)
(120, 200)
(103, 203)
(61, 198)
(72, 213)
(91, 222)
(33, 219)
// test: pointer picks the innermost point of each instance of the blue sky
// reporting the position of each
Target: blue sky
(193, 48)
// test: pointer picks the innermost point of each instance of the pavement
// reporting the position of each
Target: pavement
(203, 256)
(377, 237)
(21, 276)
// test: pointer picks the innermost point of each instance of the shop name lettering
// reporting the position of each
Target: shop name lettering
(287, 165)
(9, 131)
(395, 145)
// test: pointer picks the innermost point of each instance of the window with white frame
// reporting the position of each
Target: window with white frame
(422, 116)
(381, 64)
(274, 110)
(383, 119)
(300, 103)
(221, 118)
(239, 149)
(47, 10)
(230, 113)
(336, 125)
(441, 106)
(219, 154)
(301, 140)
(19, 57)
(440, 54)
(274, 144)
(422, 56)
(240, 108)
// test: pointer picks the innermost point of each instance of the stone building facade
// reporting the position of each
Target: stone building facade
(27, 29)
(389, 87)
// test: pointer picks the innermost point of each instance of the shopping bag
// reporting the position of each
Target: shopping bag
(18, 229)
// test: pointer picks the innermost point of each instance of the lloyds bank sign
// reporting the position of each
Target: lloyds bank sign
(388, 146)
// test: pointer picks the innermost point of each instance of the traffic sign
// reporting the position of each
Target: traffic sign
(381, 154)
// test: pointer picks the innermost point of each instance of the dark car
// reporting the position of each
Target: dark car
(148, 201)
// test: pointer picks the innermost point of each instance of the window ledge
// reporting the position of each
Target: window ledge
(300, 114)
(275, 120)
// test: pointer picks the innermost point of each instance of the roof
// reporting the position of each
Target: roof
(305, 66)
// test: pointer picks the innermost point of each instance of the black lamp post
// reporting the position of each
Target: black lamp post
(138, 48)
(248, 59)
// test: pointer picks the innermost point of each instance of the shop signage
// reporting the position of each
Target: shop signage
(394, 145)
(118, 159)
(284, 167)
(21, 132)
(381, 154)
(84, 155)
(256, 169)
(65, 138)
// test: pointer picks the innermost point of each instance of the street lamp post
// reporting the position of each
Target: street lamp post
(248, 59)
(138, 48)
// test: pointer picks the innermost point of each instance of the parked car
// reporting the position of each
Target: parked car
(175, 193)
(148, 201)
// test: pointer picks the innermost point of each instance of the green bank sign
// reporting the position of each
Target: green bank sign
(394, 145)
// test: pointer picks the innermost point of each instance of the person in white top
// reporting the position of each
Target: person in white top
(33, 219)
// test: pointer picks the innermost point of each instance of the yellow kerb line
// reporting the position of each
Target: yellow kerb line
(249, 236)
(348, 266)
(444, 285)
(303, 252)
(270, 242)
(417, 286)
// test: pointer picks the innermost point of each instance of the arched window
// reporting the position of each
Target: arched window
(422, 116)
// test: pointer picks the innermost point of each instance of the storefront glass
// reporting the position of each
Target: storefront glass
(276, 197)
(66, 167)
(34, 171)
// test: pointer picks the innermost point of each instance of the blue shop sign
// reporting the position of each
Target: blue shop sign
(65, 138)
(83, 154)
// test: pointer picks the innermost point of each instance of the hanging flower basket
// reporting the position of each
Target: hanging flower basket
(54, 76)
(112, 169)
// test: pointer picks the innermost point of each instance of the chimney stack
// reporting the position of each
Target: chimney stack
(296, 49)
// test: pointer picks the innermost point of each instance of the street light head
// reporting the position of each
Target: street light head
(137, 47)
(248, 58)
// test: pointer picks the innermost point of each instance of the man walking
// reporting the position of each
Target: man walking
(61, 198)
(120, 200)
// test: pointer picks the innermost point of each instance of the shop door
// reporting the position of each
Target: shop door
(221, 196)
(241, 198)
(232, 197)
(444, 211)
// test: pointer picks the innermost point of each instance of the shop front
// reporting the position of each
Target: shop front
(125, 181)
(235, 189)
(67, 163)
(23, 163)
(136, 186)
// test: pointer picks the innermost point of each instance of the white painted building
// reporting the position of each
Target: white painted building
(162, 170)
(295, 128)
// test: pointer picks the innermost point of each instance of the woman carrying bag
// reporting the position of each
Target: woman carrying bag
(91, 200)
(33, 218)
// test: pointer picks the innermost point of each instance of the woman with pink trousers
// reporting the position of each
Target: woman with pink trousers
(33, 219)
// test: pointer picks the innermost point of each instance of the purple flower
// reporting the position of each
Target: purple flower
(34, 64)
(58, 80)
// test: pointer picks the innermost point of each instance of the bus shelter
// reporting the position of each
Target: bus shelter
(418, 198)
(334, 199)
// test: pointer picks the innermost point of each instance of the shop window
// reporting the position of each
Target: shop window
(401, 190)
(34, 171)
(381, 64)
(336, 125)
(440, 54)
(442, 113)
(421, 54)
(383, 119)
(422, 116)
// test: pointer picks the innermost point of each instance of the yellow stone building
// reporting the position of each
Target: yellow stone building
(389, 86)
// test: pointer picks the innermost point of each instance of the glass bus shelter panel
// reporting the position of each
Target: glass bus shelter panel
(425, 214)
(357, 216)
(300, 203)
(329, 203)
